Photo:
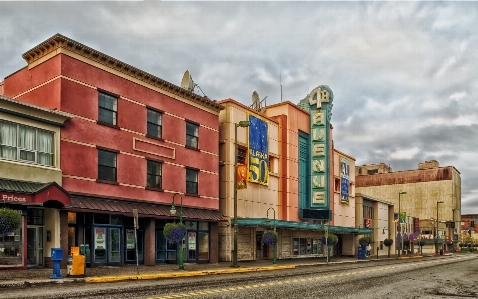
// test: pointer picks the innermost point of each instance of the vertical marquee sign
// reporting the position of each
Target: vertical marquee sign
(344, 180)
(320, 107)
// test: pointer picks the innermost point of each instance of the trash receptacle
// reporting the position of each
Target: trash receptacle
(56, 257)
(441, 251)
(361, 253)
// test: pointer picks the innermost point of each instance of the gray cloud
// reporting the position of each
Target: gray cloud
(403, 73)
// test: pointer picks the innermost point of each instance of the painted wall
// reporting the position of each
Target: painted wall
(424, 188)
(71, 85)
(295, 120)
(343, 213)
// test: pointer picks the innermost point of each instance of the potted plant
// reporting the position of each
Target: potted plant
(388, 243)
(174, 232)
(421, 243)
(10, 220)
(331, 240)
(270, 237)
(364, 241)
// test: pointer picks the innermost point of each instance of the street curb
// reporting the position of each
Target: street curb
(182, 274)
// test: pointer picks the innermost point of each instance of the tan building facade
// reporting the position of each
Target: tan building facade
(428, 193)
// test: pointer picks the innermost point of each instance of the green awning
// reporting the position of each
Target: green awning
(301, 225)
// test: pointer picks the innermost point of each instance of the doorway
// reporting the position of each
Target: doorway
(34, 246)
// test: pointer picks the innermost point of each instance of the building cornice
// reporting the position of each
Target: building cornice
(58, 42)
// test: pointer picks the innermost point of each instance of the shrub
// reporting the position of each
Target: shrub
(388, 242)
(10, 220)
(331, 240)
(364, 241)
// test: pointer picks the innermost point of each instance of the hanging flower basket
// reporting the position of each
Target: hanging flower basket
(331, 240)
(10, 220)
(422, 243)
(270, 237)
(364, 241)
(388, 242)
(174, 232)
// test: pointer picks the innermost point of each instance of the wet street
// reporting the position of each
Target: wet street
(415, 278)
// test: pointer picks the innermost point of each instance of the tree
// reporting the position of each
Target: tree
(388, 243)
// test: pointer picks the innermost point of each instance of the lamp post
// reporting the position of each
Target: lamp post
(436, 231)
(242, 123)
(173, 212)
(400, 221)
(274, 260)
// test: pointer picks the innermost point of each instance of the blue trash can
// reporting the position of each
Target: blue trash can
(56, 257)
(361, 253)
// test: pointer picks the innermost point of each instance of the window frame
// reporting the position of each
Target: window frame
(160, 163)
(115, 167)
(114, 110)
(159, 127)
(188, 183)
(189, 137)
(23, 149)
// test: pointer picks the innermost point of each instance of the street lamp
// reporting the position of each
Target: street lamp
(173, 212)
(274, 261)
(436, 231)
(400, 221)
(242, 123)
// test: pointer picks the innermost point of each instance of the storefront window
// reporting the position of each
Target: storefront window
(71, 218)
(203, 240)
(11, 249)
(303, 246)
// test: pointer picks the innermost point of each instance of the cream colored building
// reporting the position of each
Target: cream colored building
(30, 180)
(428, 193)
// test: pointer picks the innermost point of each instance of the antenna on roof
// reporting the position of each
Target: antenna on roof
(188, 83)
(280, 79)
(257, 103)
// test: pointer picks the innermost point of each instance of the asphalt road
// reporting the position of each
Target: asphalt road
(450, 277)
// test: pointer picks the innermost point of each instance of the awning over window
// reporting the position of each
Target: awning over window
(93, 204)
(301, 225)
(33, 193)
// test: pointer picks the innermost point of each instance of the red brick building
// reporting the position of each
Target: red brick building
(135, 140)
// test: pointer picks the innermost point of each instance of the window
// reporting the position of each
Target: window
(153, 175)
(241, 155)
(372, 171)
(337, 185)
(192, 135)
(154, 126)
(108, 109)
(24, 143)
(191, 181)
(106, 165)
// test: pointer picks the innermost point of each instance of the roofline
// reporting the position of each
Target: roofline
(358, 194)
(229, 100)
(59, 41)
(64, 114)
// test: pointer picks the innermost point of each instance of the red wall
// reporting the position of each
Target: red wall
(79, 158)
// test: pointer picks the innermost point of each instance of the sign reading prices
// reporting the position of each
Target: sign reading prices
(344, 180)
(320, 101)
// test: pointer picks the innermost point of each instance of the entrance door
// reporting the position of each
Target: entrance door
(107, 246)
(35, 246)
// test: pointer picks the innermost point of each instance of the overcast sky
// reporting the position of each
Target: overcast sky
(404, 74)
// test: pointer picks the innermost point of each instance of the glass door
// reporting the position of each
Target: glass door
(107, 246)
(35, 246)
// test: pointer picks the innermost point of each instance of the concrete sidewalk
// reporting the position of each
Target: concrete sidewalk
(41, 276)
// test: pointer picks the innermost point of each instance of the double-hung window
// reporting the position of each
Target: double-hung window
(153, 175)
(154, 124)
(106, 165)
(191, 181)
(107, 109)
(23, 143)
(192, 133)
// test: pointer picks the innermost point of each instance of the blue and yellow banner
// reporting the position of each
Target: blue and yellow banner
(258, 151)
